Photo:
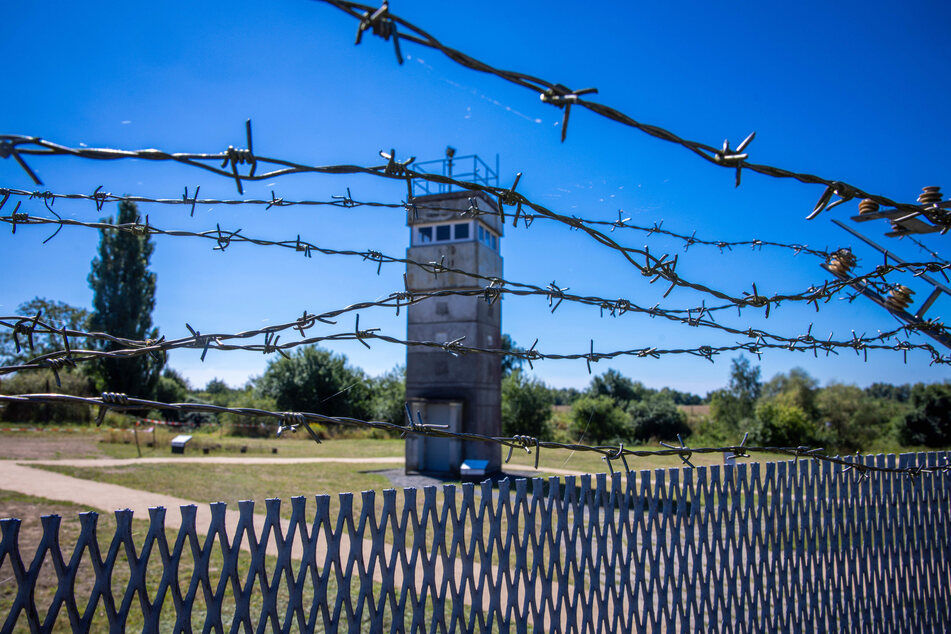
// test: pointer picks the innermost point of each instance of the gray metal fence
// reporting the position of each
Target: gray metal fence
(780, 546)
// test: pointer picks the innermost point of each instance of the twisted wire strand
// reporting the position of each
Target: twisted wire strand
(129, 348)
(562, 97)
(347, 202)
(662, 268)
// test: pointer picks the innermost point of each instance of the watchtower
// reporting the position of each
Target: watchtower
(463, 392)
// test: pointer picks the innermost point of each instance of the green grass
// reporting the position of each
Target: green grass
(121, 444)
(590, 462)
(206, 483)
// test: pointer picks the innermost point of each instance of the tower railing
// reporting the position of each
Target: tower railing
(467, 168)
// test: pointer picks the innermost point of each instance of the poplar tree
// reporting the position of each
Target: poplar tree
(123, 299)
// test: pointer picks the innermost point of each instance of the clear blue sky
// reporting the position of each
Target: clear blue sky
(851, 91)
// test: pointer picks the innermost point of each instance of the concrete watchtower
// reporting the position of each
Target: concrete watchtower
(462, 392)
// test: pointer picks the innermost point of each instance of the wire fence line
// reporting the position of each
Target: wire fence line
(100, 198)
(384, 24)
(70, 354)
(495, 288)
(661, 267)
(290, 422)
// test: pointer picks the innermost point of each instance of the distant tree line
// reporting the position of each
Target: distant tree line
(791, 409)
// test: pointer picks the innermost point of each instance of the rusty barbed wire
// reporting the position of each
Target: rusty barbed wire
(292, 421)
(100, 198)
(560, 96)
(661, 267)
(657, 268)
(70, 355)
(555, 296)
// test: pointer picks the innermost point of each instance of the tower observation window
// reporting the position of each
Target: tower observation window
(454, 232)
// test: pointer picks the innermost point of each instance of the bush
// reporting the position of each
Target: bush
(657, 417)
(314, 380)
(526, 406)
(249, 426)
(780, 424)
(171, 388)
(851, 419)
(598, 419)
(388, 396)
(44, 382)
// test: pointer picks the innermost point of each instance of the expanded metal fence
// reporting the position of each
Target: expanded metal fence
(788, 546)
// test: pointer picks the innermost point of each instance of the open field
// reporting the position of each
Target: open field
(206, 483)
(90, 442)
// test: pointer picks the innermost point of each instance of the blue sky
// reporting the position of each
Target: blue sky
(850, 91)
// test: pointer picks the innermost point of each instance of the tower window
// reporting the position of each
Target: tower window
(455, 232)
(488, 238)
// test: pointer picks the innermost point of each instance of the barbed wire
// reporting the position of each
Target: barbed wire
(693, 316)
(654, 267)
(100, 198)
(921, 245)
(700, 316)
(384, 24)
(292, 421)
(692, 239)
(70, 354)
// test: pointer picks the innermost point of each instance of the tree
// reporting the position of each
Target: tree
(526, 406)
(618, 387)
(735, 404)
(900, 393)
(930, 422)
(315, 380)
(851, 418)
(657, 417)
(123, 299)
(796, 388)
(598, 419)
(510, 363)
(388, 396)
(781, 424)
(680, 398)
(57, 314)
(217, 386)
(172, 387)
(565, 395)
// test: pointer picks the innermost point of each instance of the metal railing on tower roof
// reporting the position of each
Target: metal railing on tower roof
(469, 168)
